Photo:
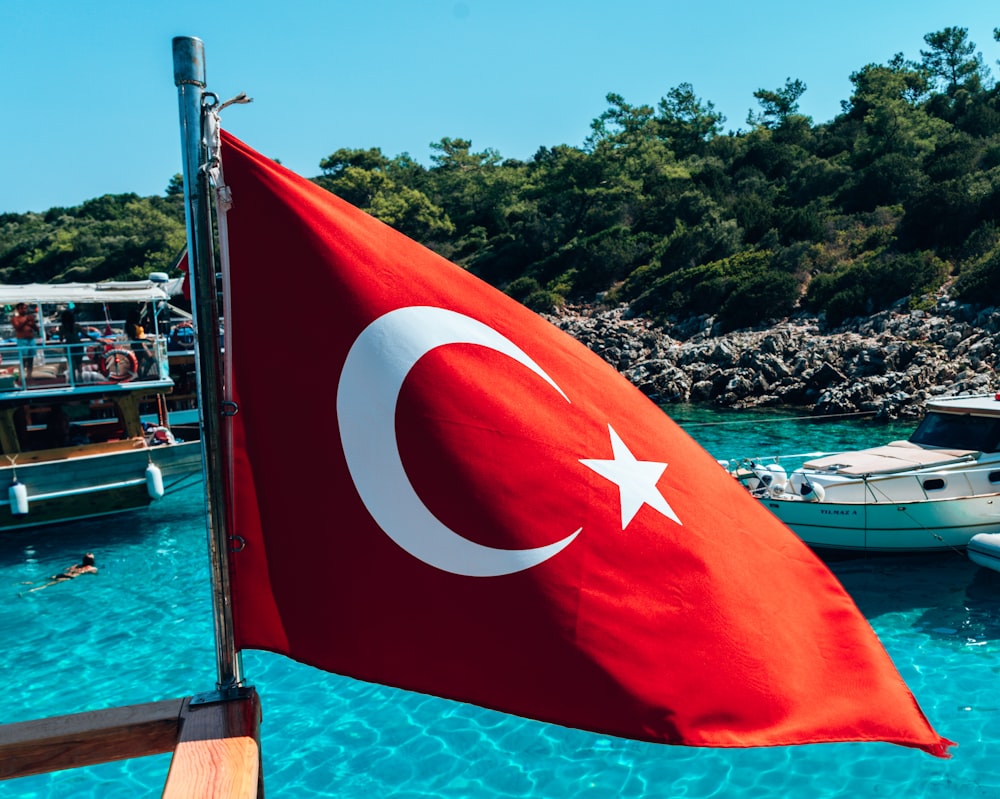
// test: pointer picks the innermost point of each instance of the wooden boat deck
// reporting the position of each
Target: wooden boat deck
(216, 746)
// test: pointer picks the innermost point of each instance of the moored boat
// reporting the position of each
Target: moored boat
(72, 437)
(933, 491)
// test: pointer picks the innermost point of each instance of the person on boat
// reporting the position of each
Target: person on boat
(25, 331)
(136, 334)
(85, 566)
(134, 331)
(70, 336)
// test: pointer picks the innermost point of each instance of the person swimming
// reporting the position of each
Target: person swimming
(85, 566)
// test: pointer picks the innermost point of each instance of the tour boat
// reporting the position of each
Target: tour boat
(83, 424)
(933, 491)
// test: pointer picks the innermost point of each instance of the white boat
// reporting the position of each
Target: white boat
(933, 491)
(984, 550)
(73, 443)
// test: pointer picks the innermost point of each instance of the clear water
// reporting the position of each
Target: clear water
(141, 630)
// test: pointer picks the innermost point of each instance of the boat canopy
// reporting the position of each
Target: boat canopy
(978, 404)
(897, 456)
(110, 291)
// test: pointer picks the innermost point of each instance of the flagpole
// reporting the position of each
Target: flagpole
(189, 77)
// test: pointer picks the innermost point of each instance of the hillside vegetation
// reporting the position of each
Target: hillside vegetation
(662, 207)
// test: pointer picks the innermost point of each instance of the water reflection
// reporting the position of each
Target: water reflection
(949, 596)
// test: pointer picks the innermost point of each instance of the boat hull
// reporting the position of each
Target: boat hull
(919, 526)
(74, 488)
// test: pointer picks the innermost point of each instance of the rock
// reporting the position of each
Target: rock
(886, 365)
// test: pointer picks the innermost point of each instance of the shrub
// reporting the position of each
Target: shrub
(848, 302)
(523, 287)
(980, 284)
(743, 290)
(763, 297)
(544, 301)
(876, 284)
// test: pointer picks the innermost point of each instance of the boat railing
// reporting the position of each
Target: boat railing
(989, 483)
(946, 483)
(104, 361)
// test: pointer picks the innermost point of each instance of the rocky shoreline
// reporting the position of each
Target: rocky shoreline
(887, 365)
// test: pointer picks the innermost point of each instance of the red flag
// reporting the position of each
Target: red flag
(440, 491)
(183, 266)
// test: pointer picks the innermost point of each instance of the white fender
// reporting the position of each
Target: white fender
(812, 492)
(154, 481)
(18, 496)
(779, 477)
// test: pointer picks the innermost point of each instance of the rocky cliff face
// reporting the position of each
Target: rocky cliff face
(887, 365)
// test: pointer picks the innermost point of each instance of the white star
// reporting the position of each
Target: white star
(636, 480)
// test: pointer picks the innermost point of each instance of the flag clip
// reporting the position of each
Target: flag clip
(224, 695)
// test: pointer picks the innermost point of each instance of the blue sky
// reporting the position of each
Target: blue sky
(89, 106)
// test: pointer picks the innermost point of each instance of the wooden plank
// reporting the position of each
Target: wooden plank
(80, 450)
(83, 739)
(216, 746)
(218, 752)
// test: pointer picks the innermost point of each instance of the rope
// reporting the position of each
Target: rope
(777, 458)
(780, 419)
(189, 478)
(904, 509)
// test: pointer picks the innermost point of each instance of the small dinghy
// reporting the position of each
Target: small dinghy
(984, 550)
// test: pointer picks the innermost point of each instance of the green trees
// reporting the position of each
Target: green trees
(111, 237)
(686, 122)
(952, 60)
(659, 208)
(777, 105)
(387, 189)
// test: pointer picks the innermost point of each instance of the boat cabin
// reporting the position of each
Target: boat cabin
(973, 425)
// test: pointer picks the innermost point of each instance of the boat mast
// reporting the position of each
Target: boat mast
(189, 77)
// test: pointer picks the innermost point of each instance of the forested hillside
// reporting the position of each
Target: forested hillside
(664, 207)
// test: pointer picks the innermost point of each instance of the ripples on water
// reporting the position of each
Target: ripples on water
(141, 631)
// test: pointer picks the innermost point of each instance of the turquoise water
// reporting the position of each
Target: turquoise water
(141, 630)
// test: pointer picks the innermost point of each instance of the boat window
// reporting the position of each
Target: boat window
(933, 484)
(994, 477)
(955, 431)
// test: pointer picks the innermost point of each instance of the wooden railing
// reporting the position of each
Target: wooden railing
(215, 745)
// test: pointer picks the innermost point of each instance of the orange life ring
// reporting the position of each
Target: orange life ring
(119, 364)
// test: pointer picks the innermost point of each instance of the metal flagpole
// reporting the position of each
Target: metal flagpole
(189, 77)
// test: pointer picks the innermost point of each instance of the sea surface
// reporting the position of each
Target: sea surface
(141, 630)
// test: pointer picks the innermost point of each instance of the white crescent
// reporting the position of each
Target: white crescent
(373, 374)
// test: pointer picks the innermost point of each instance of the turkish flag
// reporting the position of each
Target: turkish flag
(183, 265)
(438, 490)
